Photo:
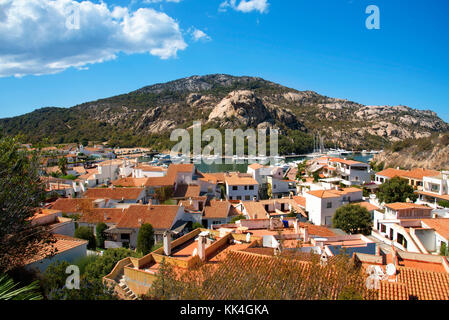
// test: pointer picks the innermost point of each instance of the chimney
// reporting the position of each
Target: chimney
(254, 198)
(296, 226)
(290, 196)
(167, 243)
(377, 249)
(394, 256)
(139, 221)
(202, 247)
(306, 234)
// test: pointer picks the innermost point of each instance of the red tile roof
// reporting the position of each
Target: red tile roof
(68, 205)
(114, 193)
(159, 216)
(106, 215)
(440, 225)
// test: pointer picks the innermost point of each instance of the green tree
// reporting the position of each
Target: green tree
(100, 232)
(396, 190)
(353, 219)
(164, 193)
(301, 169)
(86, 233)
(145, 238)
(236, 218)
(316, 176)
(62, 165)
(444, 203)
(443, 249)
(21, 192)
(197, 225)
(11, 291)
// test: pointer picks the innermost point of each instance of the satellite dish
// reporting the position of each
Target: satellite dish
(390, 269)
(195, 252)
(248, 237)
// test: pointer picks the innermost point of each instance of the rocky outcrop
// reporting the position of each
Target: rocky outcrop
(243, 107)
(428, 153)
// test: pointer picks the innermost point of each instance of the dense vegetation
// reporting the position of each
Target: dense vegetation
(396, 190)
(129, 120)
(21, 192)
(352, 219)
(92, 270)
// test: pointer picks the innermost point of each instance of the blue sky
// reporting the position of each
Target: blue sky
(320, 45)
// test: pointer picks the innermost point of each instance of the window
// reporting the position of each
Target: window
(247, 198)
(383, 228)
(124, 236)
(239, 197)
(329, 205)
(251, 187)
(246, 187)
(234, 188)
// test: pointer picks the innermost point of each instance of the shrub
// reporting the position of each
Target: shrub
(197, 225)
(145, 239)
(239, 217)
(101, 236)
(86, 234)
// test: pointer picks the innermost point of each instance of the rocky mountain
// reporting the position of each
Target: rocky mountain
(429, 153)
(146, 116)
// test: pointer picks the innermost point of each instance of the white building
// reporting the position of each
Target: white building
(241, 186)
(322, 204)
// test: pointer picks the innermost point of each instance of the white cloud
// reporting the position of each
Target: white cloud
(47, 36)
(199, 35)
(157, 1)
(245, 5)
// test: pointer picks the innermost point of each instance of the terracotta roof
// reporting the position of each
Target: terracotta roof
(208, 177)
(320, 231)
(323, 194)
(218, 209)
(183, 167)
(291, 173)
(130, 182)
(62, 243)
(69, 205)
(405, 205)
(367, 205)
(419, 173)
(159, 216)
(300, 200)
(391, 173)
(333, 193)
(114, 193)
(187, 191)
(236, 179)
(106, 215)
(418, 284)
(145, 167)
(89, 173)
(347, 162)
(255, 209)
(255, 166)
(440, 225)
(159, 182)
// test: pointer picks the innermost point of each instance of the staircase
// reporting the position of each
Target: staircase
(129, 294)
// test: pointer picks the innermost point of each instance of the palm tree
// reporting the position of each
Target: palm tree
(9, 290)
